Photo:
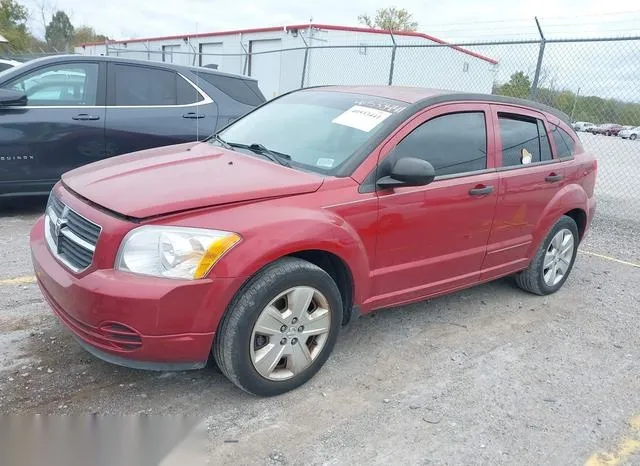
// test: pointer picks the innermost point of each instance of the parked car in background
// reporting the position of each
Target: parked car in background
(582, 125)
(256, 246)
(608, 129)
(630, 133)
(6, 64)
(61, 112)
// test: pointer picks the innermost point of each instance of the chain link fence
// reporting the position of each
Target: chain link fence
(592, 80)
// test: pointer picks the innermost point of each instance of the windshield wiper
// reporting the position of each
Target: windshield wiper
(222, 142)
(277, 157)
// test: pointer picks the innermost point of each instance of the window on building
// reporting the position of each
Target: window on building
(452, 143)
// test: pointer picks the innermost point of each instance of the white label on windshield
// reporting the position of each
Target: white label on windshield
(362, 118)
(326, 163)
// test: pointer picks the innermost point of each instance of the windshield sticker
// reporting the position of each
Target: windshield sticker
(387, 107)
(362, 118)
(325, 163)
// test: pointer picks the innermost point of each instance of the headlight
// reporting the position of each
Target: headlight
(173, 252)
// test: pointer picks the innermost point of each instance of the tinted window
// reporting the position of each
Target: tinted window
(564, 143)
(187, 94)
(73, 84)
(5, 66)
(454, 143)
(545, 146)
(140, 86)
(243, 91)
(524, 140)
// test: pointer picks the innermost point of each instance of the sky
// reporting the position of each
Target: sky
(607, 69)
(450, 20)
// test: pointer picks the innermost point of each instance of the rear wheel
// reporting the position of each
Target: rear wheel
(633, 137)
(280, 329)
(553, 261)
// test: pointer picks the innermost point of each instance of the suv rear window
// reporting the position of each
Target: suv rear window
(524, 140)
(241, 90)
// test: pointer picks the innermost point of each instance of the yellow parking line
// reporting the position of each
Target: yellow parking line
(624, 450)
(609, 258)
(18, 280)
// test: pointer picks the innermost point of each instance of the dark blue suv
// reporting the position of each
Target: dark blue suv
(58, 113)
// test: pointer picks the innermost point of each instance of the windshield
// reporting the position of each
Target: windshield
(319, 130)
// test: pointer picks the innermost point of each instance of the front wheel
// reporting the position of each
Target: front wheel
(280, 328)
(553, 261)
(633, 137)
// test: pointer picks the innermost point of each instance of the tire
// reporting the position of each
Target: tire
(238, 341)
(608, 133)
(633, 137)
(533, 278)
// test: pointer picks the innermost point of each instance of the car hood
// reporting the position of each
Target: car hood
(187, 176)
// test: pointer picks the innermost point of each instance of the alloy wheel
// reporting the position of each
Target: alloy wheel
(290, 333)
(557, 259)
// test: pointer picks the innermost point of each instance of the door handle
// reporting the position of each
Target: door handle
(552, 178)
(481, 190)
(193, 115)
(85, 117)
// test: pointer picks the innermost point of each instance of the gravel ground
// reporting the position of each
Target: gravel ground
(490, 375)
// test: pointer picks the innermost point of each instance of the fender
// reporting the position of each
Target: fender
(288, 230)
(571, 196)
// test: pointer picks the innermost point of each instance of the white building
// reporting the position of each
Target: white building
(275, 56)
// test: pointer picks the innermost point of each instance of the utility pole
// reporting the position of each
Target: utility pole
(575, 103)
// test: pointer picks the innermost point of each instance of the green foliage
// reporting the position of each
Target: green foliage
(390, 19)
(519, 85)
(86, 34)
(59, 32)
(581, 108)
(13, 24)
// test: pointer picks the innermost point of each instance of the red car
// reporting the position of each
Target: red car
(257, 245)
(609, 129)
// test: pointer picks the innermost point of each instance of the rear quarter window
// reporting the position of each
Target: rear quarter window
(565, 144)
(240, 90)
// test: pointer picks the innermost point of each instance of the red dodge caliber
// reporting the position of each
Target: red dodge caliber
(256, 246)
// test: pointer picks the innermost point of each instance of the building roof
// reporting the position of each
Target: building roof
(299, 27)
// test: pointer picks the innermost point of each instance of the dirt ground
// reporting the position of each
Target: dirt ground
(490, 375)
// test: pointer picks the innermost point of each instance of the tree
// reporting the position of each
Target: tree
(390, 19)
(59, 31)
(86, 34)
(519, 85)
(13, 24)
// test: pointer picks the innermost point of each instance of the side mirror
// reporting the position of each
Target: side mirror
(408, 171)
(10, 98)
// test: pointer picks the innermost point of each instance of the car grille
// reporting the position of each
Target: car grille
(71, 237)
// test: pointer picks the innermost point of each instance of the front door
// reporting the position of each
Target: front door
(60, 128)
(433, 238)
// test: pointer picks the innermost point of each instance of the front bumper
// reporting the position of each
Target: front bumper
(131, 320)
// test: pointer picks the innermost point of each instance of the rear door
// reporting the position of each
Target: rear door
(151, 107)
(60, 128)
(530, 176)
